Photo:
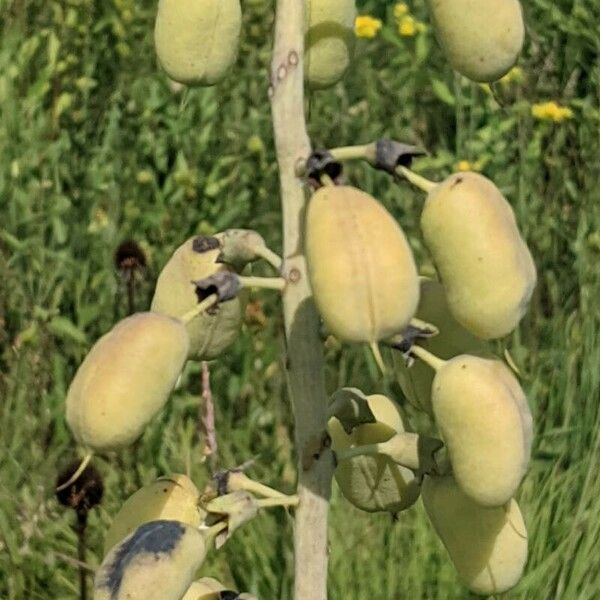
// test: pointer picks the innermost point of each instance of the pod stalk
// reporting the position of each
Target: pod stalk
(427, 357)
(417, 180)
(362, 152)
(200, 308)
(80, 469)
(268, 283)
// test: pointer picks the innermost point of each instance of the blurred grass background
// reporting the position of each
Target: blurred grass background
(95, 148)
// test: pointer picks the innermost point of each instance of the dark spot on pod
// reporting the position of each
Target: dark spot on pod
(156, 538)
(457, 181)
(224, 284)
(293, 57)
(204, 243)
(228, 595)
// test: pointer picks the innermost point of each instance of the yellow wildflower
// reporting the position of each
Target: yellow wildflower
(407, 27)
(515, 74)
(144, 177)
(551, 111)
(400, 10)
(366, 26)
(465, 165)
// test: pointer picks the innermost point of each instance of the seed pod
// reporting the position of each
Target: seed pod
(483, 417)
(328, 42)
(374, 483)
(361, 268)
(174, 497)
(125, 379)
(197, 40)
(481, 48)
(484, 264)
(452, 339)
(209, 588)
(157, 561)
(212, 331)
(488, 546)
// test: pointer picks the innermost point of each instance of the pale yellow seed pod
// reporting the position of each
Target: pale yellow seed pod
(488, 546)
(173, 497)
(206, 588)
(374, 483)
(483, 262)
(361, 268)
(328, 42)
(482, 39)
(483, 417)
(209, 588)
(453, 339)
(214, 330)
(197, 40)
(125, 380)
(157, 561)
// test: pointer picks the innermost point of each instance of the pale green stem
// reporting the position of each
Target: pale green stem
(364, 152)
(199, 308)
(271, 257)
(433, 361)
(378, 358)
(268, 283)
(239, 481)
(80, 469)
(417, 180)
(271, 502)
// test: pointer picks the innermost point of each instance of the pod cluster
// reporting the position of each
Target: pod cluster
(129, 373)
(366, 287)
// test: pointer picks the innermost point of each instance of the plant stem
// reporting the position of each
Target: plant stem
(364, 152)
(271, 257)
(81, 551)
(80, 469)
(272, 502)
(430, 359)
(199, 308)
(417, 180)
(207, 419)
(267, 283)
(304, 359)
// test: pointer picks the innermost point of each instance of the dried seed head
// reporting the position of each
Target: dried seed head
(129, 256)
(85, 492)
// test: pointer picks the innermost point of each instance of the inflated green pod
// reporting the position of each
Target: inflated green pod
(483, 262)
(488, 546)
(328, 42)
(483, 417)
(374, 483)
(209, 588)
(173, 497)
(361, 268)
(125, 380)
(453, 339)
(157, 561)
(482, 39)
(197, 40)
(212, 331)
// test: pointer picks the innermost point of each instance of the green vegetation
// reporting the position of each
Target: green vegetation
(96, 147)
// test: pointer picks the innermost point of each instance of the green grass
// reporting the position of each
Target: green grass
(95, 148)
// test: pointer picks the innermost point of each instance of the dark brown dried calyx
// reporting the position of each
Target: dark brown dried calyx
(85, 492)
(129, 256)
